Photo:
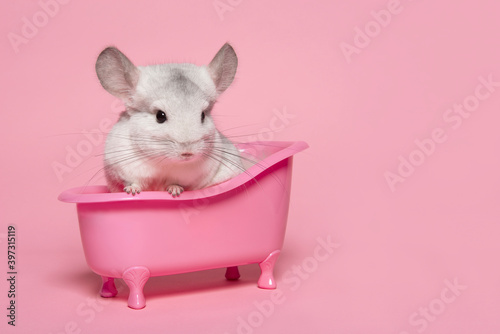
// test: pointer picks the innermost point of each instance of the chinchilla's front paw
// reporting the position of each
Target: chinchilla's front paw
(174, 190)
(132, 189)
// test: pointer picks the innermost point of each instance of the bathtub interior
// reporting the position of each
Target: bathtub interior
(254, 153)
(257, 158)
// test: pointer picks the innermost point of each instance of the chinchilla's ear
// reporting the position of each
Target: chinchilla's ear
(223, 68)
(116, 73)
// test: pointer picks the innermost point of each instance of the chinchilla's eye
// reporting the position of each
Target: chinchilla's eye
(161, 116)
(202, 116)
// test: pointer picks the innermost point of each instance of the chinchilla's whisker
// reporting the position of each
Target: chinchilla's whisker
(128, 148)
(238, 127)
(74, 134)
(224, 150)
(248, 135)
(222, 159)
(115, 152)
(128, 159)
(103, 169)
(140, 138)
(94, 175)
(255, 162)
(125, 153)
(133, 157)
(259, 143)
(252, 161)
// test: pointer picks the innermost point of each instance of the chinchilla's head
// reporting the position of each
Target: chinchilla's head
(168, 106)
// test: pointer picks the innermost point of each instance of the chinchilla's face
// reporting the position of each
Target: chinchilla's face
(168, 106)
(169, 112)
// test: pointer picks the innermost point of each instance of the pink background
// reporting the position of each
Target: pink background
(375, 108)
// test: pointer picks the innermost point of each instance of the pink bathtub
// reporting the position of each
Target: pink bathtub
(238, 222)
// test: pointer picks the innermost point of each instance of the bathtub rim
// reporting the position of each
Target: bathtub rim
(99, 194)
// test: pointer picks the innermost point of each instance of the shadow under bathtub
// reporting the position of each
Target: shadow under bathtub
(169, 285)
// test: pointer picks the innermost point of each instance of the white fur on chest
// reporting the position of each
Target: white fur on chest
(126, 165)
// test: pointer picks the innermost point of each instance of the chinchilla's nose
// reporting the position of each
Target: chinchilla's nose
(187, 154)
(186, 149)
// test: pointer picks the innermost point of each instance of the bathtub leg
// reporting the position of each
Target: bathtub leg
(266, 280)
(135, 278)
(108, 288)
(232, 273)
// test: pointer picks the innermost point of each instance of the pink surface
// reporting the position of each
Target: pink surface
(393, 224)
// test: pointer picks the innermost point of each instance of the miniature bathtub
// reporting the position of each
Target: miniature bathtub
(238, 222)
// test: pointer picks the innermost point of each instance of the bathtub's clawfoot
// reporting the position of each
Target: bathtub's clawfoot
(232, 273)
(266, 279)
(135, 278)
(108, 288)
